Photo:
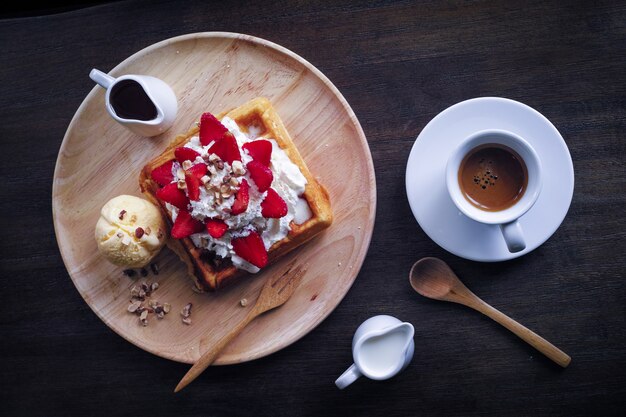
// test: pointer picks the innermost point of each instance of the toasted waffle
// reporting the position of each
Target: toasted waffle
(209, 271)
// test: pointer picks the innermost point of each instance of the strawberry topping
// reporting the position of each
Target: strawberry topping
(193, 187)
(260, 150)
(273, 206)
(198, 170)
(226, 148)
(210, 129)
(171, 194)
(163, 174)
(216, 227)
(261, 175)
(185, 225)
(185, 154)
(251, 249)
(241, 199)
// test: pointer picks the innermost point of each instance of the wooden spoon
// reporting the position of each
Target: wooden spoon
(433, 278)
(275, 293)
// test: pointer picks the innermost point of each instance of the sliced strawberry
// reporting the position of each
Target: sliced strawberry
(185, 154)
(273, 206)
(261, 175)
(193, 187)
(251, 248)
(216, 227)
(163, 174)
(241, 199)
(210, 129)
(226, 148)
(185, 225)
(171, 194)
(198, 170)
(260, 150)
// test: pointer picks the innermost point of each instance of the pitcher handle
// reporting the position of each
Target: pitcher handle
(348, 377)
(103, 79)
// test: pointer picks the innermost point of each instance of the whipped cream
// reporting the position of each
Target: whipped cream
(288, 182)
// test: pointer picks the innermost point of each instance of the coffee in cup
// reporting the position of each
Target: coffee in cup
(493, 177)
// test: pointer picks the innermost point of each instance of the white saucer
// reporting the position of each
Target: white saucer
(426, 179)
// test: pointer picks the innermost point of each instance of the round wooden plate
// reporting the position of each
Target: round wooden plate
(100, 159)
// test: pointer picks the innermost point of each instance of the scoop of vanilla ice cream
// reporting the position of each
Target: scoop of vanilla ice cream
(130, 231)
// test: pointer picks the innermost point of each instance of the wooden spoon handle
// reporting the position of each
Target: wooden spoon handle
(210, 355)
(530, 337)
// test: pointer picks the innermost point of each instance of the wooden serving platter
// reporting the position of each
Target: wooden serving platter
(100, 159)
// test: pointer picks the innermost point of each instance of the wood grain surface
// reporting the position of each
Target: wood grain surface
(216, 71)
(398, 64)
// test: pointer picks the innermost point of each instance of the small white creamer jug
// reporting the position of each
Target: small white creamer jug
(146, 105)
(382, 346)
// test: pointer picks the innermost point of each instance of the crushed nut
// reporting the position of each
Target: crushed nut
(139, 294)
(238, 168)
(133, 306)
(214, 158)
(220, 165)
(243, 302)
(205, 179)
(181, 184)
(224, 188)
(180, 174)
(212, 169)
(187, 320)
(120, 235)
(139, 232)
(226, 179)
(187, 164)
(148, 230)
(234, 182)
(134, 292)
(186, 311)
(133, 218)
(121, 215)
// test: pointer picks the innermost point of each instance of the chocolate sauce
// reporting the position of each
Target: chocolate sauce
(130, 101)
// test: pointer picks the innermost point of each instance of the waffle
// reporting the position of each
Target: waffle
(209, 271)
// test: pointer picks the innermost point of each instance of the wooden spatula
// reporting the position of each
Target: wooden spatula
(275, 293)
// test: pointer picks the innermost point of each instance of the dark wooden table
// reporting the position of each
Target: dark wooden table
(398, 64)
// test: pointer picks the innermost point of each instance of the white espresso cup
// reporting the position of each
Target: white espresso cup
(508, 218)
(157, 92)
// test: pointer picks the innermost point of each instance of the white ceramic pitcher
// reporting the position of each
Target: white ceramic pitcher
(382, 346)
(161, 95)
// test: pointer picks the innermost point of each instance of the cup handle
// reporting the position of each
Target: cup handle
(513, 236)
(348, 377)
(103, 79)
